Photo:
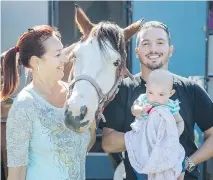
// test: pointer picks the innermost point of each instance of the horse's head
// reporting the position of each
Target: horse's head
(99, 62)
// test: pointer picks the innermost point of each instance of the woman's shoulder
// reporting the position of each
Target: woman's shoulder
(21, 109)
(24, 98)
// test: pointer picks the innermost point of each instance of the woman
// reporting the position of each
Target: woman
(39, 146)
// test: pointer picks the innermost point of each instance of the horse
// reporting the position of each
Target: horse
(99, 61)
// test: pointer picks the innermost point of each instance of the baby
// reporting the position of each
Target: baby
(159, 89)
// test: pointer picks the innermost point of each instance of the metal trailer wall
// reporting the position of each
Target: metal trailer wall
(187, 23)
(209, 164)
(17, 17)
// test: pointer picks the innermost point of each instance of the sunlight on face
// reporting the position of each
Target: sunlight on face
(52, 65)
(154, 49)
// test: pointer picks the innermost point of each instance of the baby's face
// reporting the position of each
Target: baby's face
(158, 94)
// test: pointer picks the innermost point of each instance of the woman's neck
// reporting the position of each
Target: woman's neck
(44, 86)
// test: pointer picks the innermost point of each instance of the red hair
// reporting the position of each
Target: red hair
(29, 44)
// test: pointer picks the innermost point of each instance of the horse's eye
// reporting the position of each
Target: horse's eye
(116, 63)
(74, 56)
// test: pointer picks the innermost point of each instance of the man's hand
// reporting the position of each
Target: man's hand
(205, 152)
(112, 141)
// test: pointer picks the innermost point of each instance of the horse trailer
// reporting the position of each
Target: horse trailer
(191, 28)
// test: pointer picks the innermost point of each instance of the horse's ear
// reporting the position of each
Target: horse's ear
(82, 21)
(67, 50)
(132, 29)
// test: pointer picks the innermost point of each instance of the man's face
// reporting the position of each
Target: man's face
(153, 50)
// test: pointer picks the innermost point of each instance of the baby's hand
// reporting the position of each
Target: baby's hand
(146, 108)
(138, 110)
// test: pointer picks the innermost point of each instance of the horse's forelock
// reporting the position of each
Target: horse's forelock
(109, 31)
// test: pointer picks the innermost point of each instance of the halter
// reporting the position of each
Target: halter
(103, 99)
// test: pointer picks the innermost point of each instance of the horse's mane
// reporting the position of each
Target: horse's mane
(111, 32)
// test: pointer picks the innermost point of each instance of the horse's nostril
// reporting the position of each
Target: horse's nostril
(75, 122)
(83, 110)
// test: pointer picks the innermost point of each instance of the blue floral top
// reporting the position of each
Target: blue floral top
(37, 138)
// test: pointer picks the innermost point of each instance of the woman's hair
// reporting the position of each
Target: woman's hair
(29, 44)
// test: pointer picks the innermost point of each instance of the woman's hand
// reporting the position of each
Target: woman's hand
(92, 134)
(93, 126)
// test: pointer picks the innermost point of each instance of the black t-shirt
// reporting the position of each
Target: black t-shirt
(195, 107)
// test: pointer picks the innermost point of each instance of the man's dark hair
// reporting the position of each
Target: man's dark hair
(149, 24)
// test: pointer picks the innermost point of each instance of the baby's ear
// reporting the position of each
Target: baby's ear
(172, 92)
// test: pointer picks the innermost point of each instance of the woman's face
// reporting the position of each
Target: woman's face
(52, 64)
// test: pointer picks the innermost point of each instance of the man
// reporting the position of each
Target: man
(154, 51)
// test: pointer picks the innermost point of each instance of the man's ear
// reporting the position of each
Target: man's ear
(136, 52)
(171, 50)
(172, 92)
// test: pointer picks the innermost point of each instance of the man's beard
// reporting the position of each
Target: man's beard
(153, 66)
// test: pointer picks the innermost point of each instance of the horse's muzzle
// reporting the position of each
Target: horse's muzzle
(75, 122)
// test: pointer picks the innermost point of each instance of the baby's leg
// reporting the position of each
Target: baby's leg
(181, 177)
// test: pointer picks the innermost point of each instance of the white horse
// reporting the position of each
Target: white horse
(99, 64)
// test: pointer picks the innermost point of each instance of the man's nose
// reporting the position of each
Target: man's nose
(153, 48)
